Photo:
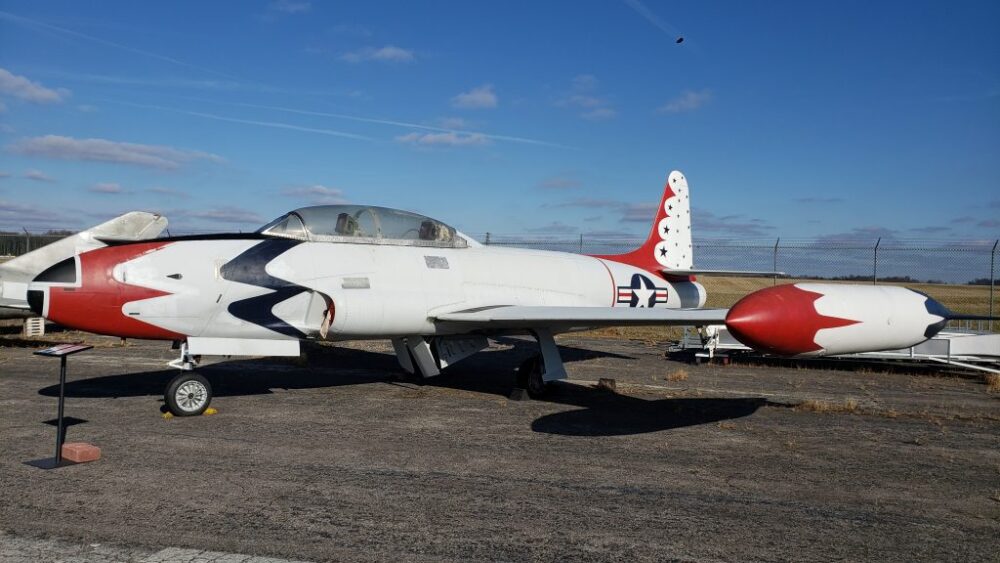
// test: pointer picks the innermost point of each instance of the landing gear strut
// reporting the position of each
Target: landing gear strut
(529, 377)
(188, 394)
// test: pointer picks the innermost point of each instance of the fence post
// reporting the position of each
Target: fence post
(875, 262)
(487, 241)
(774, 261)
(581, 243)
(27, 240)
(993, 262)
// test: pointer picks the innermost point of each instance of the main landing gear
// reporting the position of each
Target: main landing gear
(188, 393)
(536, 374)
(424, 357)
(530, 378)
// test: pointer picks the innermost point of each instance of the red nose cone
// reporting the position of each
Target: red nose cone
(780, 320)
(95, 305)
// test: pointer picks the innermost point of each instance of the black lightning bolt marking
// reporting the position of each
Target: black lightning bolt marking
(249, 268)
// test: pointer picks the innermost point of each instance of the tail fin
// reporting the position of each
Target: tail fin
(668, 246)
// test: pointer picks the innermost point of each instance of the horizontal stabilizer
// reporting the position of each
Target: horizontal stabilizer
(518, 317)
(733, 273)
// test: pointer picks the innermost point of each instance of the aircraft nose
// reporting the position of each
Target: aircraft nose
(88, 292)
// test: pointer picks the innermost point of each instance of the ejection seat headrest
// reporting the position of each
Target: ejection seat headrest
(346, 225)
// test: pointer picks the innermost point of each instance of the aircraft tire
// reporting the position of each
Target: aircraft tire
(188, 394)
(529, 378)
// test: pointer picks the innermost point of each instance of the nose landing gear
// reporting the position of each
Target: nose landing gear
(188, 394)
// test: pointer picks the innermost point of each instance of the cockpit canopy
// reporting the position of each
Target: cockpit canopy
(362, 224)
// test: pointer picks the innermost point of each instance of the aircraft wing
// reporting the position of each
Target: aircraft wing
(730, 273)
(517, 317)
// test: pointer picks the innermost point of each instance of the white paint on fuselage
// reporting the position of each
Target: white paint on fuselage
(887, 317)
(404, 292)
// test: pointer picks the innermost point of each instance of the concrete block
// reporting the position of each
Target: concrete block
(81, 452)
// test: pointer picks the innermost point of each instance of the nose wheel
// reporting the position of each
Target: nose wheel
(188, 394)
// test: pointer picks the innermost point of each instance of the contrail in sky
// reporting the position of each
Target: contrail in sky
(652, 18)
(28, 22)
(400, 124)
(31, 23)
(273, 124)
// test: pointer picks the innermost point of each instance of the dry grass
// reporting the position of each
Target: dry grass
(678, 375)
(727, 426)
(651, 334)
(993, 383)
(812, 405)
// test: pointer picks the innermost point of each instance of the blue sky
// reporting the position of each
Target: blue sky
(791, 119)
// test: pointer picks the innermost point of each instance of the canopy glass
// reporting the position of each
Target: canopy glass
(362, 223)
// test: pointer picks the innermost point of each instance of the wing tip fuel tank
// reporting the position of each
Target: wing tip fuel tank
(818, 319)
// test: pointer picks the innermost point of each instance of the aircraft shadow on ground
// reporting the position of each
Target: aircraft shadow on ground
(602, 413)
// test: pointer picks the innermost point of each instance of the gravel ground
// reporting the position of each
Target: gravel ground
(334, 457)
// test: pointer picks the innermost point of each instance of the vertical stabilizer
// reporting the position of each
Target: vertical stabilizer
(668, 246)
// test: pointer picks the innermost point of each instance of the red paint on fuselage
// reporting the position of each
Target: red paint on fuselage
(781, 320)
(643, 257)
(96, 304)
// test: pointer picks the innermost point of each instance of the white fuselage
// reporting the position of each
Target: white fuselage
(376, 290)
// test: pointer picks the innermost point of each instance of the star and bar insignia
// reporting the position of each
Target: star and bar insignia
(641, 292)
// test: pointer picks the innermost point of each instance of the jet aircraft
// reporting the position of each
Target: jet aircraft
(340, 272)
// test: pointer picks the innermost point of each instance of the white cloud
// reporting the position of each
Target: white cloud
(480, 97)
(228, 214)
(102, 150)
(317, 194)
(351, 29)
(38, 176)
(86, 108)
(21, 87)
(290, 6)
(168, 192)
(585, 82)
(582, 97)
(689, 100)
(453, 123)
(19, 215)
(106, 188)
(559, 183)
(389, 54)
(598, 114)
(443, 139)
(555, 227)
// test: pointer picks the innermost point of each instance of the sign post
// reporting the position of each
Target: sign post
(61, 351)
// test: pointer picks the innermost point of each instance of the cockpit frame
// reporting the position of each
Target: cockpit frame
(361, 224)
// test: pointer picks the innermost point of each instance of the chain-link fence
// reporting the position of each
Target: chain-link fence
(961, 275)
(16, 244)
